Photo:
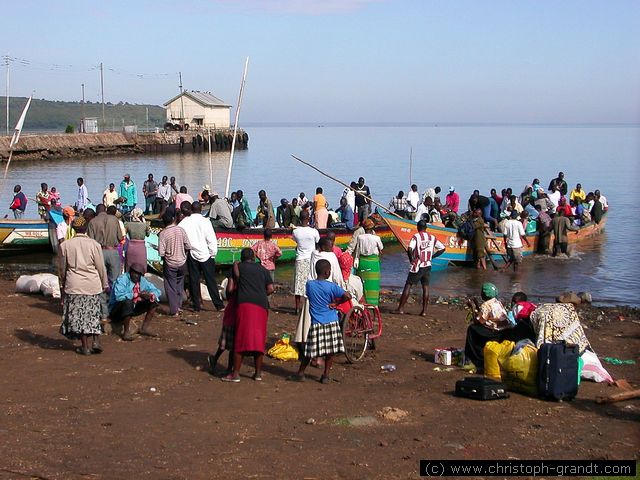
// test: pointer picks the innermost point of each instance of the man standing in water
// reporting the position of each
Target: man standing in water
(83, 196)
(127, 191)
(19, 202)
(150, 192)
(423, 248)
(514, 235)
(363, 200)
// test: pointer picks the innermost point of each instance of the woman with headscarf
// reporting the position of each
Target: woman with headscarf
(367, 261)
(137, 230)
(489, 320)
(64, 231)
(83, 277)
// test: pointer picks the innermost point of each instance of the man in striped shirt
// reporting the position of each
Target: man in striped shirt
(173, 244)
(423, 248)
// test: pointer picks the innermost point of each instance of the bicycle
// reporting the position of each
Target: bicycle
(361, 325)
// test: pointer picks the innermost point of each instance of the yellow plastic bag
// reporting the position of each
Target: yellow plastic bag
(283, 350)
(494, 354)
(520, 370)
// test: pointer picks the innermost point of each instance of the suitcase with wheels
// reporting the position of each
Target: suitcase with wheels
(558, 371)
(481, 388)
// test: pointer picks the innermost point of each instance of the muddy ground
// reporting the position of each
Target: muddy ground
(149, 409)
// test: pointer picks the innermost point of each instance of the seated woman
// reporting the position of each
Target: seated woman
(520, 318)
(488, 323)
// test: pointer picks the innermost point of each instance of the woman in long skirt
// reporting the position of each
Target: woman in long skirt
(84, 278)
(367, 257)
(137, 231)
(253, 286)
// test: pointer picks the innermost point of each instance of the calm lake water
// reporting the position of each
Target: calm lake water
(467, 157)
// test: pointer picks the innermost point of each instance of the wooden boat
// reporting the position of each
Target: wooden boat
(25, 234)
(232, 241)
(459, 251)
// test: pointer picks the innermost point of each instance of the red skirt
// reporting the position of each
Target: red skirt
(251, 328)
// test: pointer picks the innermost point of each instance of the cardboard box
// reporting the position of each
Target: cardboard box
(449, 356)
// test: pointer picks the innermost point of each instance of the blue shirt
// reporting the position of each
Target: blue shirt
(122, 289)
(346, 215)
(320, 293)
(531, 210)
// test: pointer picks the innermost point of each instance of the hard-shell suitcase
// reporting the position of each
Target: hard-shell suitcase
(481, 388)
(558, 371)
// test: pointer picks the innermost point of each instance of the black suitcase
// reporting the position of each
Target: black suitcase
(481, 388)
(558, 371)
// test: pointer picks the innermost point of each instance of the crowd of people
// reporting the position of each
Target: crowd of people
(103, 257)
(555, 210)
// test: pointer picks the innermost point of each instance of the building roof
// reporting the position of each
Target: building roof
(206, 99)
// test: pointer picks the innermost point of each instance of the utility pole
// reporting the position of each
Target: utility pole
(7, 92)
(104, 125)
(82, 130)
(181, 105)
(147, 119)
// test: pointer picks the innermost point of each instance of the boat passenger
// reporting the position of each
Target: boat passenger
(150, 192)
(320, 212)
(560, 184)
(220, 212)
(603, 200)
(183, 196)
(479, 240)
(82, 200)
(265, 215)
(346, 215)
(398, 204)
(363, 200)
(285, 214)
(578, 194)
(413, 200)
(64, 231)
(110, 196)
(452, 200)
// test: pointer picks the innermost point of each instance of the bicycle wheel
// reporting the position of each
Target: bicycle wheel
(355, 333)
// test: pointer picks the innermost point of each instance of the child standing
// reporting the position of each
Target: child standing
(267, 252)
(325, 337)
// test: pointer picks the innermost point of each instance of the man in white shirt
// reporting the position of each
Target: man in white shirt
(423, 248)
(110, 195)
(514, 235)
(164, 195)
(83, 195)
(413, 200)
(603, 200)
(202, 256)
(554, 195)
(306, 238)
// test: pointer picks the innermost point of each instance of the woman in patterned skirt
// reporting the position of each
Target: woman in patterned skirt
(84, 278)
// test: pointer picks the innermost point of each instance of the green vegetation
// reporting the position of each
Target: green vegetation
(56, 116)
(69, 129)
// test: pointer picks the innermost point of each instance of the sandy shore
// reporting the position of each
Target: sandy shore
(149, 409)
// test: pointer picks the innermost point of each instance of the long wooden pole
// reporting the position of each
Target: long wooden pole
(235, 129)
(210, 162)
(345, 185)
(410, 166)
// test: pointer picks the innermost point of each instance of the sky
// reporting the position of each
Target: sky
(335, 61)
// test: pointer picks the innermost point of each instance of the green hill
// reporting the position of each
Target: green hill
(54, 115)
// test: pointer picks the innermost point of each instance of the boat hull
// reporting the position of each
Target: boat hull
(24, 234)
(459, 250)
(231, 243)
